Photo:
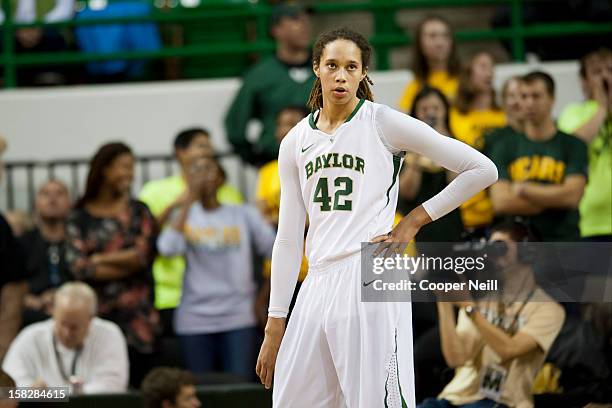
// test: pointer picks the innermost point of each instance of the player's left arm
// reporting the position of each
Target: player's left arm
(565, 195)
(400, 132)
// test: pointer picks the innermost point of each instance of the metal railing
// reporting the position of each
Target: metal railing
(386, 33)
(73, 173)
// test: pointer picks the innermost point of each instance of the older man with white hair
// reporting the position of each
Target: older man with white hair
(73, 348)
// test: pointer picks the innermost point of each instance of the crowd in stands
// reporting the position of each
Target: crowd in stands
(435, 67)
(96, 292)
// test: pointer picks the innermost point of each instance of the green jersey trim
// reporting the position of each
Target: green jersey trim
(404, 405)
(354, 112)
(403, 400)
(397, 162)
(312, 121)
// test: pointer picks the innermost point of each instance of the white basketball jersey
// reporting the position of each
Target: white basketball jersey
(349, 184)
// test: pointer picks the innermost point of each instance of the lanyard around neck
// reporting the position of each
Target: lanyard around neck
(77, 354)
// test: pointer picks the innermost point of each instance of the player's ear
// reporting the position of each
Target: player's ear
(315, 69)
(364, 73)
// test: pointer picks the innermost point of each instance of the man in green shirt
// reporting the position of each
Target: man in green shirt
(542, 171)
(591, 122)
(274, 83)
(163, 197)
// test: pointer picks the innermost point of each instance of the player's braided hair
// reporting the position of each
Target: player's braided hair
(315, 101)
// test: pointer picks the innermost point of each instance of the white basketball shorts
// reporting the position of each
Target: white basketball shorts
(340, 352)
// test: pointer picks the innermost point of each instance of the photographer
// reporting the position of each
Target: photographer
(590, 121)
(498, 345)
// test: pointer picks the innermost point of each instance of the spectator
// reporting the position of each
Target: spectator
(216, 319)
(511, 103)
(165, 196)
(7, 382)
(268, 202)
(74, 348)
(12, 279)
(421, 178)
(12, 286)
(45, 246)
(513, 108)
(41, 39)
(505, 339)
(591, 122)
(475, 112)
(434, 60)
(110, 241)
(166, 387)
(278, 81)
(542, 172)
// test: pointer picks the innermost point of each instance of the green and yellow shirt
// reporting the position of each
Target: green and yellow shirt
(519, 159)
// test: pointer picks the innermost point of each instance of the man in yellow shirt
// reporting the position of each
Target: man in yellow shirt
(163, 197)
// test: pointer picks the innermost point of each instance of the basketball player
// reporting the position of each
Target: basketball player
(340, 166)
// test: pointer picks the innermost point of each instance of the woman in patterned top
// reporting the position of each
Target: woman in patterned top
(110, 244)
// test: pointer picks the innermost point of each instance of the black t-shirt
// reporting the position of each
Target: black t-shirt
(45, 264)
(11, 255)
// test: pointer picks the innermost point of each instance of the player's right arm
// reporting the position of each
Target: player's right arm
(286, 257)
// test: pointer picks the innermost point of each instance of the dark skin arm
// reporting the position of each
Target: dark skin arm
(163, 217)
(403, 233)
(116, 265)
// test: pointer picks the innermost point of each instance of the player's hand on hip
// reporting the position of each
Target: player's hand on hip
(395, 242)
(275, 329)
